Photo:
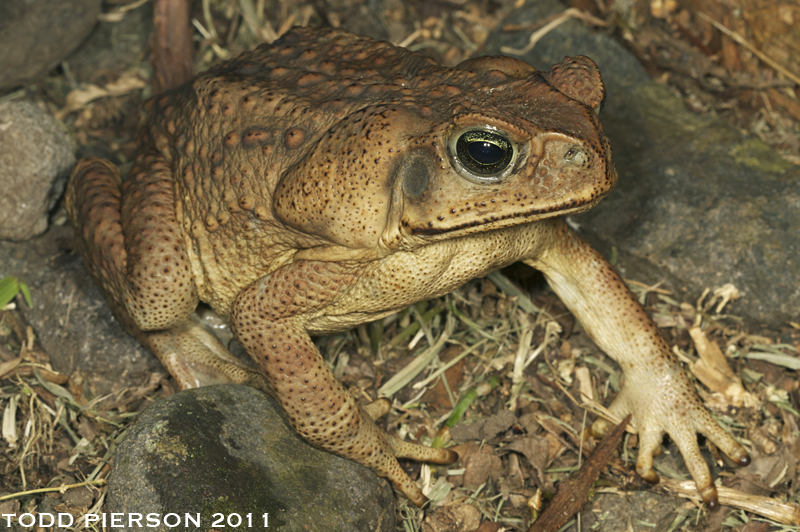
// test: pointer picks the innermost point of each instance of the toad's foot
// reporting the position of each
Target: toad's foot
(269, 320)
(195, 357)
(405, 449)
(666, 403)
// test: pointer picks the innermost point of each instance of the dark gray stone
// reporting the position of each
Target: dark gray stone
(114, 46)
(36, 157)
(228, 449)
(697, 202)
(36, 35)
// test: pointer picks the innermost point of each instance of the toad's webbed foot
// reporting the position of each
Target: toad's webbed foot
(666, 403)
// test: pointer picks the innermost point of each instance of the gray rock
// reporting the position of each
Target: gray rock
(36, 35)
(697, 202)
(228, 449)
(36, 158)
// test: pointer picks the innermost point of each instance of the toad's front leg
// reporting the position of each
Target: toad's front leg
(269, 319)
(657, 391)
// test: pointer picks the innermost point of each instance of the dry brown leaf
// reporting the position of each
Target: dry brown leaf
(479, 467)
(536, 450)
(484, 429)
(8, 367)
(714, 372)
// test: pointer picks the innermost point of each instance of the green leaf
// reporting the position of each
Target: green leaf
(9, 287)
(26, 293)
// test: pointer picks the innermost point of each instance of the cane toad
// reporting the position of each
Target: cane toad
(328, 180)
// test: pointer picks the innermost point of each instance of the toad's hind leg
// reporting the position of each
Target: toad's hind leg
(134, 250)
(269, 320)
(131, 241)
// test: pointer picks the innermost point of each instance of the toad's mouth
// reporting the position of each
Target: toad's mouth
(475, 224)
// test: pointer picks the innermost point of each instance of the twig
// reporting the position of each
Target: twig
(552, 24)
(573, 493)
(787, 514)
(761, 55)
(172, 44)
(62, 489)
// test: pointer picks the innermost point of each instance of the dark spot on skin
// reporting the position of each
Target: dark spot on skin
(415, 173)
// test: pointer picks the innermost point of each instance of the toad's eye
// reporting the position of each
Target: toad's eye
(484, 153)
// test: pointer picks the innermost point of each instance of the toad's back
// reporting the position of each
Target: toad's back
(231, 132)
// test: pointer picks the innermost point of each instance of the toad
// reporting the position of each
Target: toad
(327, 180)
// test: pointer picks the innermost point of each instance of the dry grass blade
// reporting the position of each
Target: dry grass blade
(60, 489)
(778, 359)
(9, 422)
(256, 23)
(407, 374)
(744, 42)
(94, 510)
(523, 359)
(455, 360)
(605, 415)
(118, 13)
(523, 348)
(553, 23)
(503, 283)
(8, 367)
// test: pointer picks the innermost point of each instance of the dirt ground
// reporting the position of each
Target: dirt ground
(736, 58)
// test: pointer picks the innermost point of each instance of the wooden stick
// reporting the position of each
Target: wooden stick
(573, 493)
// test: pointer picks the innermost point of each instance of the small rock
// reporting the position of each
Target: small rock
(36, 35)
(82, 497)
(453, 518)
(228, 450)
(36, 158)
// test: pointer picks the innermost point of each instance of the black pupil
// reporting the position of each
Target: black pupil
(483, 152)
